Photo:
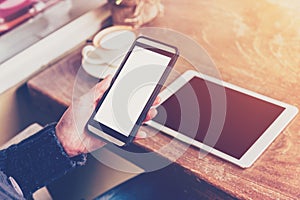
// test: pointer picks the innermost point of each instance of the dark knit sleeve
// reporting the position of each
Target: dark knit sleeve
(37, 161)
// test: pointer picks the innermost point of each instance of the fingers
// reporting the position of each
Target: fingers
(151, 114)
(100, 88)
(156, 101)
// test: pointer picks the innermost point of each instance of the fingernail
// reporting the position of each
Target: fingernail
(158, 98)
(154, 113)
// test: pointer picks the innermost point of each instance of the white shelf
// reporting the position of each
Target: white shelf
(27, 63)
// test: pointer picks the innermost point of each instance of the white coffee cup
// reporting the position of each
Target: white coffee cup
(109, 47)
(109, 44)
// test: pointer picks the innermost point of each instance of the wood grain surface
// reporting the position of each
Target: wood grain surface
(255, 45)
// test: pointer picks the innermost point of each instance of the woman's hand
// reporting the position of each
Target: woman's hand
(71, 130)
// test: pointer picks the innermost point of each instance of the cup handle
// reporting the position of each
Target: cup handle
(86, 50)
(85, 55)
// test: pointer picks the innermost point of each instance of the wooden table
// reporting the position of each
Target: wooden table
(256, 45)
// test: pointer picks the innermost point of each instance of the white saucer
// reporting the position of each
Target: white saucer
(101, 70)
(122, 35)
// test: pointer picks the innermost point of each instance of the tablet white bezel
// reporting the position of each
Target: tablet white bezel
(257, 148)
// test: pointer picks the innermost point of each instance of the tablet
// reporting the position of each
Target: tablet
(228, 121)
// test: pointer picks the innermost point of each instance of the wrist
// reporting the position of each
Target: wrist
(70, 147)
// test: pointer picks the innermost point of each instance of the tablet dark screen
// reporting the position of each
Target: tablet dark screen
(246, 117)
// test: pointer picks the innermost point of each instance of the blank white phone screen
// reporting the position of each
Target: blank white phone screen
(143, 68)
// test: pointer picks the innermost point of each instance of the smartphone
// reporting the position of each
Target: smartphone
(133, 89)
